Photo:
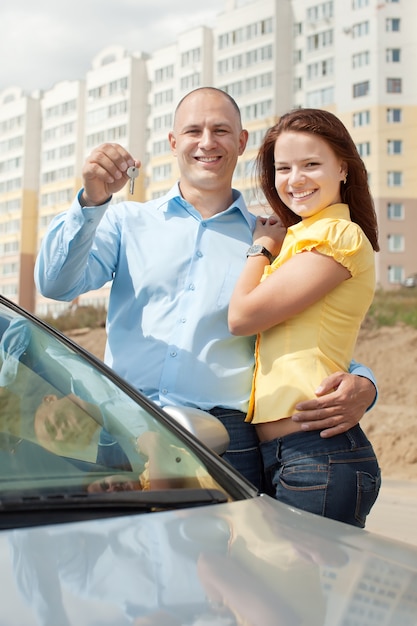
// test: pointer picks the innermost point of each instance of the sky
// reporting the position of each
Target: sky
(45, 41)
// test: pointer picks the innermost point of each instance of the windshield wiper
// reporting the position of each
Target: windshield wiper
(52, 508)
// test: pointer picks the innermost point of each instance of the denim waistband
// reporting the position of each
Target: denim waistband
(219, 410)
(311, 441)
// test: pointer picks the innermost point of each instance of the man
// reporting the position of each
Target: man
(174, 262)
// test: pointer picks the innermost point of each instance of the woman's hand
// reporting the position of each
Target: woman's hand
(269, 233)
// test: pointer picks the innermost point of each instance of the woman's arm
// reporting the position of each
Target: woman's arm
(297, 284)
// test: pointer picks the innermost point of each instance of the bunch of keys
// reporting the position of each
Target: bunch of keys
(132, 172)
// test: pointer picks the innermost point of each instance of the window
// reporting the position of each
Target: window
(233, 89)
(392, 24)
(163, 97)
(297, 56)
(364, 148)
(9, 269)
(394, 85)
(395, 211)
(297, 83)
(396, 243)
(320, 11)
(395, 274)
(320, 40)
(191, 81)
(360, 30)
(189, 58)
(298, 29)
(259, 54)
(361, 89)
(360, 59)
(161, 172)
(394, 146)
(258, 110)
(320, 68)
(394, 116)
(394, 179)
(361, 118)
(163, 73)
(359, 4)
(393, 55)
(320, 97)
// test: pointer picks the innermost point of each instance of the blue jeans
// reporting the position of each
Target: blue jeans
(243, 453)
(337, 477)
(110, 453)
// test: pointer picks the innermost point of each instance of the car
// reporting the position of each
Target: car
(410, 281)
(115, 511)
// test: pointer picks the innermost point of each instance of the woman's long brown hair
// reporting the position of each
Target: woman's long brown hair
(355, 192)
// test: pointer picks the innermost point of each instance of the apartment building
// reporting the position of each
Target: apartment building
(62, 155)
(353, 58)
(356, 59)
(109, 105)
(19, 184)
(173, 71)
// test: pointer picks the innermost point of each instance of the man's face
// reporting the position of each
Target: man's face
(207, 140)
(60, 423)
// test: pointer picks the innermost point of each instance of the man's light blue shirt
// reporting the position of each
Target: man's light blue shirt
(173, 274)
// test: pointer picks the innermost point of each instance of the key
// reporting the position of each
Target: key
(132, 172)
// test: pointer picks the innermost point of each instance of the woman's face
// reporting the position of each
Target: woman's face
(307, 173)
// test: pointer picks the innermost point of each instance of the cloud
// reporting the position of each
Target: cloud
(46, 41)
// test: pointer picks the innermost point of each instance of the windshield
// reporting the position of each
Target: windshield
(66, 426)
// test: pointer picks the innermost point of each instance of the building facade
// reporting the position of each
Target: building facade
(354, 59)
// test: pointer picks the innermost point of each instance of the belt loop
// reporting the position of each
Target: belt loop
(352, 440)
(279, 449)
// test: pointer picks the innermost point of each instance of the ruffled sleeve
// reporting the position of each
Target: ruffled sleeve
(341, 239)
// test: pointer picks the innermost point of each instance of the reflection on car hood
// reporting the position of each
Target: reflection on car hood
(253, 562)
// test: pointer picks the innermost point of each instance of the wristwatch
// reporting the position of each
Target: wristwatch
(257, 249)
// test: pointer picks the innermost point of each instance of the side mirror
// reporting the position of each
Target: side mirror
(202, 425)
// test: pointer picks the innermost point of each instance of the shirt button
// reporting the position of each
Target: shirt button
(173, 353)
(203, 224)
(191, 286)
(183, 320)
(164, 391)
(199, 254)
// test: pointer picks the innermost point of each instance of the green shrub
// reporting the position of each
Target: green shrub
(78, 317)
(387, 309)
(390, 308)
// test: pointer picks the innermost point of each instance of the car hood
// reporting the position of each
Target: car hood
(253, 562)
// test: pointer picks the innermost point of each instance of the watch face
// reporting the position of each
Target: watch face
(255, 249)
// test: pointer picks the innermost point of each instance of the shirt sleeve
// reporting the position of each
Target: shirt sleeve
(14, 343)
(66, 265)
(341, 239)
(361, 370)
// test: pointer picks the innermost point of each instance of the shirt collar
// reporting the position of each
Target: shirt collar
(237, 204)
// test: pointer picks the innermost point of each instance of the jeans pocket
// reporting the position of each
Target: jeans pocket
(303, 485)
(368, 486)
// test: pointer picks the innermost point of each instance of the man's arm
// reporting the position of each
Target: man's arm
(342, 399)
(61, 266)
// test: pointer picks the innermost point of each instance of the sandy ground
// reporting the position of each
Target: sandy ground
(391, 425)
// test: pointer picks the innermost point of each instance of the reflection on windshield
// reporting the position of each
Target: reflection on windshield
(60, 413)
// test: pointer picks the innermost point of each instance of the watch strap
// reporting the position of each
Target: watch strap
(257, 249)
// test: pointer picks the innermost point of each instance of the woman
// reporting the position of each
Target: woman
(307, 307)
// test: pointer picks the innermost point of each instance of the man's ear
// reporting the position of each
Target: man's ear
(172, 143)
(243, 140)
